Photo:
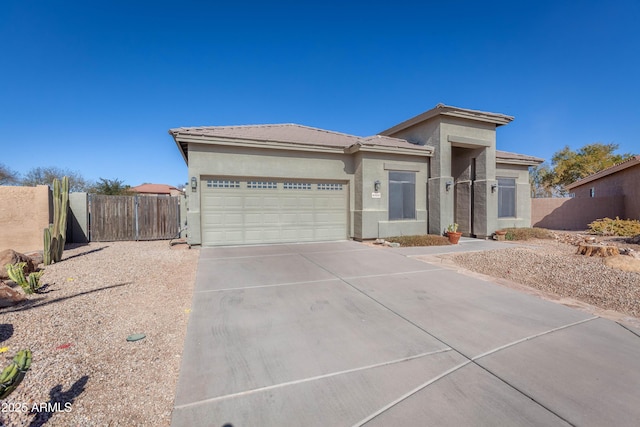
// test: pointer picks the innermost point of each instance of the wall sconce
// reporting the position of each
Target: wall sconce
(448, 185)
(194, 183)
(494, 188)
(376, 186)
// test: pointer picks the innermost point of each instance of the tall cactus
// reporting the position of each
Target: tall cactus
(56, 235)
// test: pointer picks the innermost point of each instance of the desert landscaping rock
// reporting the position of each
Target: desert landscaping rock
(554, 268)
(9, 296)
(96, 296)
(9, 256)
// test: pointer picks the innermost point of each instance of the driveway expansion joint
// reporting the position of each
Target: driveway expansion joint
(315, 378)
(473, 360)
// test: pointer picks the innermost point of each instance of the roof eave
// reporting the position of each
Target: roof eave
(425, 151)
(519, 162)
(182, 148)
(251, 143)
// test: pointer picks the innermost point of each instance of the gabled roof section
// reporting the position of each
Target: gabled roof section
(289, 132)
(284, 136)
(447, 110)
(506, 157)
(634, 161)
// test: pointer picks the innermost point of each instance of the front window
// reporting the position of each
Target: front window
(402, 195)
(506, 197)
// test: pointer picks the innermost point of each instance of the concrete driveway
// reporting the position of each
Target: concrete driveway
(342, 334)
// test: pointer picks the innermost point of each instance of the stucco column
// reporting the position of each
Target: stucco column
(485, 209)
(440, 204)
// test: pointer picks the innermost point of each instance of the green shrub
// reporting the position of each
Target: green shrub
(527, 233)
(615, 227)
(421, 240)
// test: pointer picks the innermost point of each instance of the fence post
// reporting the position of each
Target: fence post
(135, 207)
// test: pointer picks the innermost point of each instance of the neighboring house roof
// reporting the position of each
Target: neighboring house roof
(506, 157)
(286, 135)
(447, 110)
(155, 189)
(634, 161)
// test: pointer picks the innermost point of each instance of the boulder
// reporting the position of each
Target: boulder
(635, 240)
(9, 296)
(9, 256)
(36, 257)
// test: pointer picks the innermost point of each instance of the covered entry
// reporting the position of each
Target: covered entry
(239, 211)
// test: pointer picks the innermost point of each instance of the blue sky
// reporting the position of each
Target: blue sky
(94, 87)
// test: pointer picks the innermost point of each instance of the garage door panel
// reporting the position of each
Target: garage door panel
(232, 219)
(251, 213)
(271, 219)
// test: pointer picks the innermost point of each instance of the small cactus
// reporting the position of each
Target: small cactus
(13, 374)
(34, 281)
(16, 273)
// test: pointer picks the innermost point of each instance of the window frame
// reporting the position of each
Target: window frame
(512, 213)
(402, 189)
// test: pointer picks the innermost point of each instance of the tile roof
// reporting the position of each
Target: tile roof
(290, 133)
(506, 155)
(633, 161)
(447, 110)
(154, 189)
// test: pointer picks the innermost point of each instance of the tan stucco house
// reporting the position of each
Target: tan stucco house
(622, 180)
(291, 183)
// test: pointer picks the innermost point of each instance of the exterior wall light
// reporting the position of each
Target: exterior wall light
(376, 186)
(494, 188)
(194, 183)
(448, 185)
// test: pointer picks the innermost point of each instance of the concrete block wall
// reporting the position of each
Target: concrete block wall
(622, 183)
(24, 214)
(573, 213)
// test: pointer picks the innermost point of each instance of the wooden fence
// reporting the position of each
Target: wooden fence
(133, 217)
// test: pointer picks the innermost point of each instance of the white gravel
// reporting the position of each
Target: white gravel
(97, 296)
(555, 268)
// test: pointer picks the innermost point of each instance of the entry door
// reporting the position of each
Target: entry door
(464, 201)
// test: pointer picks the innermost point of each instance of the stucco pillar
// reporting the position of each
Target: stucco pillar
(440, 204)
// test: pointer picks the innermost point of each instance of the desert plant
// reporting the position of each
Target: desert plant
(615, 227)
(452, 228)
(34, 280)
(527, 233)
(13, 374)
(56, 234)
(16, 273)
(420, 240)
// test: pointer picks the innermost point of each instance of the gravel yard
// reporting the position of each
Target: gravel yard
(96, 297)
(556, 270)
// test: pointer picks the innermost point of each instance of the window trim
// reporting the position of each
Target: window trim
(515, 196)
(410, 188)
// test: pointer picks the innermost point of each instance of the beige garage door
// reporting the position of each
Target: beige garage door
(246, 211)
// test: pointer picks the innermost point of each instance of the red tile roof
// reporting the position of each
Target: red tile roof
(154, 189)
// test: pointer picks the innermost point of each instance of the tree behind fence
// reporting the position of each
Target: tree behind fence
(133, 217)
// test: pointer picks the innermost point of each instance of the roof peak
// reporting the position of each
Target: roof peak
(447, 110)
